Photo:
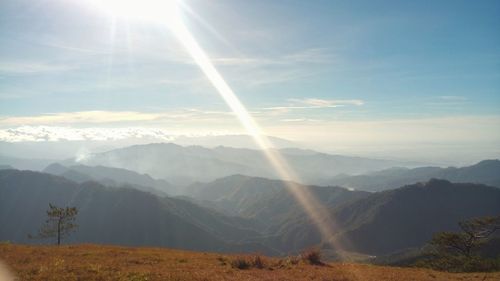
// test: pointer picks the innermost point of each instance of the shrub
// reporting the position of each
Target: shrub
(240, 263)
(247, 262)
(312, 256)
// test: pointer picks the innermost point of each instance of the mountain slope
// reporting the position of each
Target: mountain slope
(112, 177)
(406, 217)
(484, 172)
(116, 216)
(268, 201)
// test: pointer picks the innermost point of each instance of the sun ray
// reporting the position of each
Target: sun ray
(168, 13)
(306, 199)
(110, 58)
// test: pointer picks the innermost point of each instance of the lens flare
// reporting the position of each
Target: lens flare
(168, 13)
(320, 217)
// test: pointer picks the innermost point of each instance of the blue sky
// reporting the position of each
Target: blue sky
(312, 66)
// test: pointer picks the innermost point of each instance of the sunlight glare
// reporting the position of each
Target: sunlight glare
(167, 13)
(147, 10)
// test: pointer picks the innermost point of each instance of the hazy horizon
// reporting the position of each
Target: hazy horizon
(387, 80)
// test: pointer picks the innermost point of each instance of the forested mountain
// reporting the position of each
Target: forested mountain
(241, 213)
(268, 201)
(406, 217)
(117, 216)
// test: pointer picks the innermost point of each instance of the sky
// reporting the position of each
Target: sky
(407, 79)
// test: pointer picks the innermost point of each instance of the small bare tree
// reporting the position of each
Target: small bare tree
(60, 223)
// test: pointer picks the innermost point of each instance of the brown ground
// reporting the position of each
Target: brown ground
(95, 262)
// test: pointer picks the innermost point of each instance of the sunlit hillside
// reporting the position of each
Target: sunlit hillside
(96, 262)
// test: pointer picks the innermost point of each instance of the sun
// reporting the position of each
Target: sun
(160, 11)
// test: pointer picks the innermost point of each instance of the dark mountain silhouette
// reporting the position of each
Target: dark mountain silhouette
(393, 220)
(268, 201)
(184, 165)
(114, 177)
(117, 216)
(484, 172)
(260, 214)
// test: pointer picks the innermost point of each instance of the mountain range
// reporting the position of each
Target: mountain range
(185, 165)
(114, 177)
(240, 213)
(122, 216)
(484, 172)
(393, 220)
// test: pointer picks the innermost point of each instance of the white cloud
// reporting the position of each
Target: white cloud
(309, 56)
(461, 138)
(327, 103)
(67, 133)
(313, 55)
(25, 67)
(80, 117)
(301, 120)
(313, 103)
(452, 98)
(383, 133)
(110, 117)
(55, 133)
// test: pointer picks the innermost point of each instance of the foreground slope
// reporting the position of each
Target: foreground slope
(94, 262)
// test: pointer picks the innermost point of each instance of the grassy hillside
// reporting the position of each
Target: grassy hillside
(94, 262)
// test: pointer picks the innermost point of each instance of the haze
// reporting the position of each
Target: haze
(387, 80)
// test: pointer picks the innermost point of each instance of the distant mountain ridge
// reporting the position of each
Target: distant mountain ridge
(484, 172)
(185, 165)
(112, 177)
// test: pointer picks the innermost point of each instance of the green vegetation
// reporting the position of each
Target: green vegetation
(59, 224)
(461, 251)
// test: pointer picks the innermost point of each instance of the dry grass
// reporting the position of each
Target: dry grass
(94, 262)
